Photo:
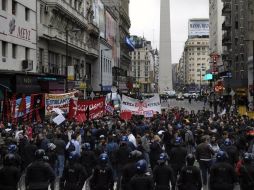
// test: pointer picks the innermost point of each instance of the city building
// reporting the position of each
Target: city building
(216, 23)
(143, 64)
(165, 67)
(197, 60)
(235, 34)
(67, 42)
(18, 41)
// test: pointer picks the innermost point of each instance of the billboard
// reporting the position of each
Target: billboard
(198, 27)
(137, 42)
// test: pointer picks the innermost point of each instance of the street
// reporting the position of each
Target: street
(195, 105)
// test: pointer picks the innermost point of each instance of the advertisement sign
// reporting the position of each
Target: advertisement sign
(136, 41)
(198, 27)
(137, 107)
(92, 108)
(60, 101)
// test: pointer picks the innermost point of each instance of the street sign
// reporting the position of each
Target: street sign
(92, 95)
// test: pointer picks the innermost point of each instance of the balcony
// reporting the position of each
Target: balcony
(226, 39)
(226, 9)
(226, 24)
(93, 30)
(68, 10)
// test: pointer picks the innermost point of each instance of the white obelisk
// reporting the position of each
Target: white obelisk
(165, 67)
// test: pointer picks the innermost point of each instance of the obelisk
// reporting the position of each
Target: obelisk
(165, 67)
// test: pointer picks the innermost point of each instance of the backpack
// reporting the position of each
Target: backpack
(71, 147)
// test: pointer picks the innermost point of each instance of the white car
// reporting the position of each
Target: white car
(170, 93)
(186, 95)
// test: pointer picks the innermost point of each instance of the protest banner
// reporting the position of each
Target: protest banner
(60, 101)
(90, 109)
(145, 107)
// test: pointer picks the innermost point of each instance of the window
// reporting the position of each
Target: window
(4, 49)
(27, 11)
(14, 51)
(14, 7)
(27, 53)
(4, 6)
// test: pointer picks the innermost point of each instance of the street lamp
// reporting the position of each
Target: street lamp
(102, 50)
(66, 64)
(200, 79)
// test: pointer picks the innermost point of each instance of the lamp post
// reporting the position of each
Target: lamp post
(102, 62)
(200, 79)
(66, 52)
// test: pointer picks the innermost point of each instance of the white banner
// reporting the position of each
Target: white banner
(199, 27)
(145, 107)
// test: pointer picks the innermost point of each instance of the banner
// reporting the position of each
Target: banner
(80, 110)
(146, 107)
(198, 27)
(60, 101)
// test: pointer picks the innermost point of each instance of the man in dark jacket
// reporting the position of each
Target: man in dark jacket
(39, 174)
(9, 174)
(163, 174)
(102, 178)
(204, 155)
(231, 150)
(74, 175)
(177, 156)
(246, 175)
(190, 177)
(60, 152)
(222, 174)
(141, 180)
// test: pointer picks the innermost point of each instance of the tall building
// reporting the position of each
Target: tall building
(142, 64)
(18, 41)
(215, 35)
(121, 65)
(234, 45)
(165, 67)
(67, 42)
(197, 61)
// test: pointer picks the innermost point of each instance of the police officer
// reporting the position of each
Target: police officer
(13, 149)
(141, 180)
(231, 151)
(102, 178)
(74, 175)
(163, 174)
(9, 174)
(88, 158)
(190, 177)
(222, 174)
(246, 174)
(177, 156)
(39, 174)
(129, 170)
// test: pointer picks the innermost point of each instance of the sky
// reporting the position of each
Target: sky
(145, 21)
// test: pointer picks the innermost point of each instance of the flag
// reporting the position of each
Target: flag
(126, 115)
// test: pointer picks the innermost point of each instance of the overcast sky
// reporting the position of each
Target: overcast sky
(145, 20)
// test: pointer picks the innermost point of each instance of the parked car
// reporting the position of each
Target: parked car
(170, 93)
(180, 96)
(186, 95)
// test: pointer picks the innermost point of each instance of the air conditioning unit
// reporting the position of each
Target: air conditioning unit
(46, 10)
(27, 65)
(3, 59)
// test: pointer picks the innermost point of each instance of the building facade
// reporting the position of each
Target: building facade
(234, 45)
(142, 66)
(197, 60)
(216, 22)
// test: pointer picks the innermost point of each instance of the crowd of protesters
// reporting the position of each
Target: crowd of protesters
(143, 153)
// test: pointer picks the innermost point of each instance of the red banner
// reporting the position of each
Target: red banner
(81, 110)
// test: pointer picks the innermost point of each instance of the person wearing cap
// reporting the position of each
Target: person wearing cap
(222, 174)
(39, 174)
(163, 174)
(232, 151)
(51, 155)
(141, 180)
(190, 176)
(102, 178)
(74, 175)
(129, 170)
(177, 156)
(9, 174)
(246, 172)
(88, 158)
